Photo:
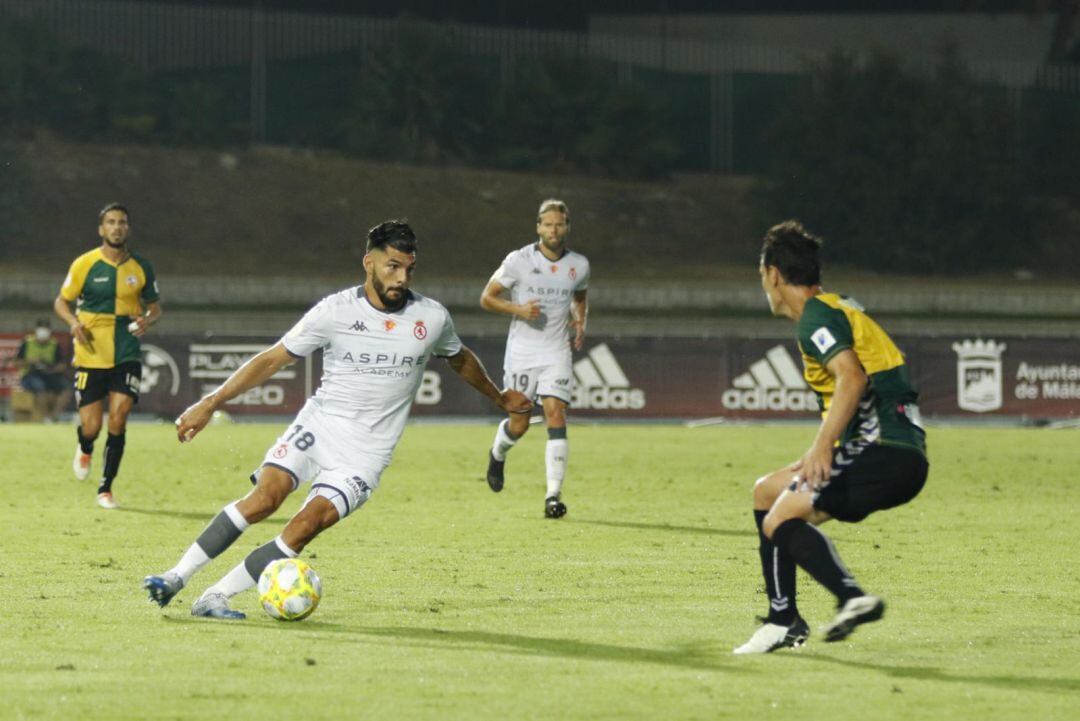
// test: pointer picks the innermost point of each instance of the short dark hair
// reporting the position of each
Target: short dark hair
(113, 206)
(43, 323)
(393, 233)
(793, 250)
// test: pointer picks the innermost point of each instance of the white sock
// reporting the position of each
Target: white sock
(503, 441)
(191, 562)
(195, 557)
(555, 455)
(233, 582)
(240, 578)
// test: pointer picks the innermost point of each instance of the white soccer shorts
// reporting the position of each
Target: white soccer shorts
(555, 380)
(310, 451)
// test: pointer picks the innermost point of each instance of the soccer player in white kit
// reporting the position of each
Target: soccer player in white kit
(547, 284)
(376, 341)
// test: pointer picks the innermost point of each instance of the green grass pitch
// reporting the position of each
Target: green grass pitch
(446, 601)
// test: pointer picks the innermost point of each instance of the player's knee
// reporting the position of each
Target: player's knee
(519, 424)
(263, 500)
(763, 495)
(771, 523)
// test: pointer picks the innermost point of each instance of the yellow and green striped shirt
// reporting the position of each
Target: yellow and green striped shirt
(887, 412)
(109, 296)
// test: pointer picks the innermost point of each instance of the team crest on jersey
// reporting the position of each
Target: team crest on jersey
(573, 274)
(419, 330)
(389, 325)
(281, 450)
(132, 281)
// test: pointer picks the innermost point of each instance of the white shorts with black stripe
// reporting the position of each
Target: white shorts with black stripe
(309, 451)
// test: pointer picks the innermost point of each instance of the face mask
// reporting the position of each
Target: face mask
(42, 334)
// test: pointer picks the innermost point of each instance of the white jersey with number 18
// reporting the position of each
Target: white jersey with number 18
(529, 275)
(373, 363)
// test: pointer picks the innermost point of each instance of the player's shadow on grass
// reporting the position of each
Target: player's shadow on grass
(693, 656)
(697, 656)
(921, 673)
(193, 516)
(667, 527)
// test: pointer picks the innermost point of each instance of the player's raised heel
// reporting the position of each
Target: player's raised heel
(81, 464)
(773, 636)
(858, 610)
(554, 508)
(215, 605)
(162, 588)
(105, 500)
(495, 473)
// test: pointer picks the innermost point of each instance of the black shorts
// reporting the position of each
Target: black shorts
(93, 384)
(879, 477)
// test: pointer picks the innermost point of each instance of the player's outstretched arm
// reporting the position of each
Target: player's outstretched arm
(469, 367)
(493, 301)
(258, 369)
(815, 466)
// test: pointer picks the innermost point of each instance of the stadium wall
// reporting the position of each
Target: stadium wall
(628, 378)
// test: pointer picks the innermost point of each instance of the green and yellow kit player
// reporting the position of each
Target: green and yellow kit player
(116, 298)
(869, 453)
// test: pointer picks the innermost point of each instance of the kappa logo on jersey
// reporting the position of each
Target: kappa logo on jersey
(389, 325)
(536, 271)
(774, 383)
(601, 384)
(359, 326)
(158, 369)
(419, 330)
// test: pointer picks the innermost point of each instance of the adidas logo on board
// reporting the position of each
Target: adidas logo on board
(774, 383)
(599, 383)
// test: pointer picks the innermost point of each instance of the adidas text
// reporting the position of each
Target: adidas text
(776, 399)
(609, 398)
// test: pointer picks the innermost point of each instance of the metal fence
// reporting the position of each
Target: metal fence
(162, 37)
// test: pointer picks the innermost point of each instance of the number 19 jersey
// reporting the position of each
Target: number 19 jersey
(528, 274)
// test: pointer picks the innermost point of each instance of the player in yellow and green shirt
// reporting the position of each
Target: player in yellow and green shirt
(869, 453)
(116, 298)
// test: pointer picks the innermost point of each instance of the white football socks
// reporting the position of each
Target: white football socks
(555, 457)
(503, 441)
(196, 557)
(240, 578)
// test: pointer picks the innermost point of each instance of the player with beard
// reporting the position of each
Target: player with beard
(543, 287)
(117, 301)
(376, 341)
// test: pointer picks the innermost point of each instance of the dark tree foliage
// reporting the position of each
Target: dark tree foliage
(902, 170)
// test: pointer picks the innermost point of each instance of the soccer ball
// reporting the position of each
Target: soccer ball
(289, 589)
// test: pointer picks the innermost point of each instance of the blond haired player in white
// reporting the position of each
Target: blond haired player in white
(376, 341)
(543, 287)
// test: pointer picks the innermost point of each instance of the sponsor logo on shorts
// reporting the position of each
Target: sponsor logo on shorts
(602, 385)
(978, 375)
(773, 383)
(281, 450)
